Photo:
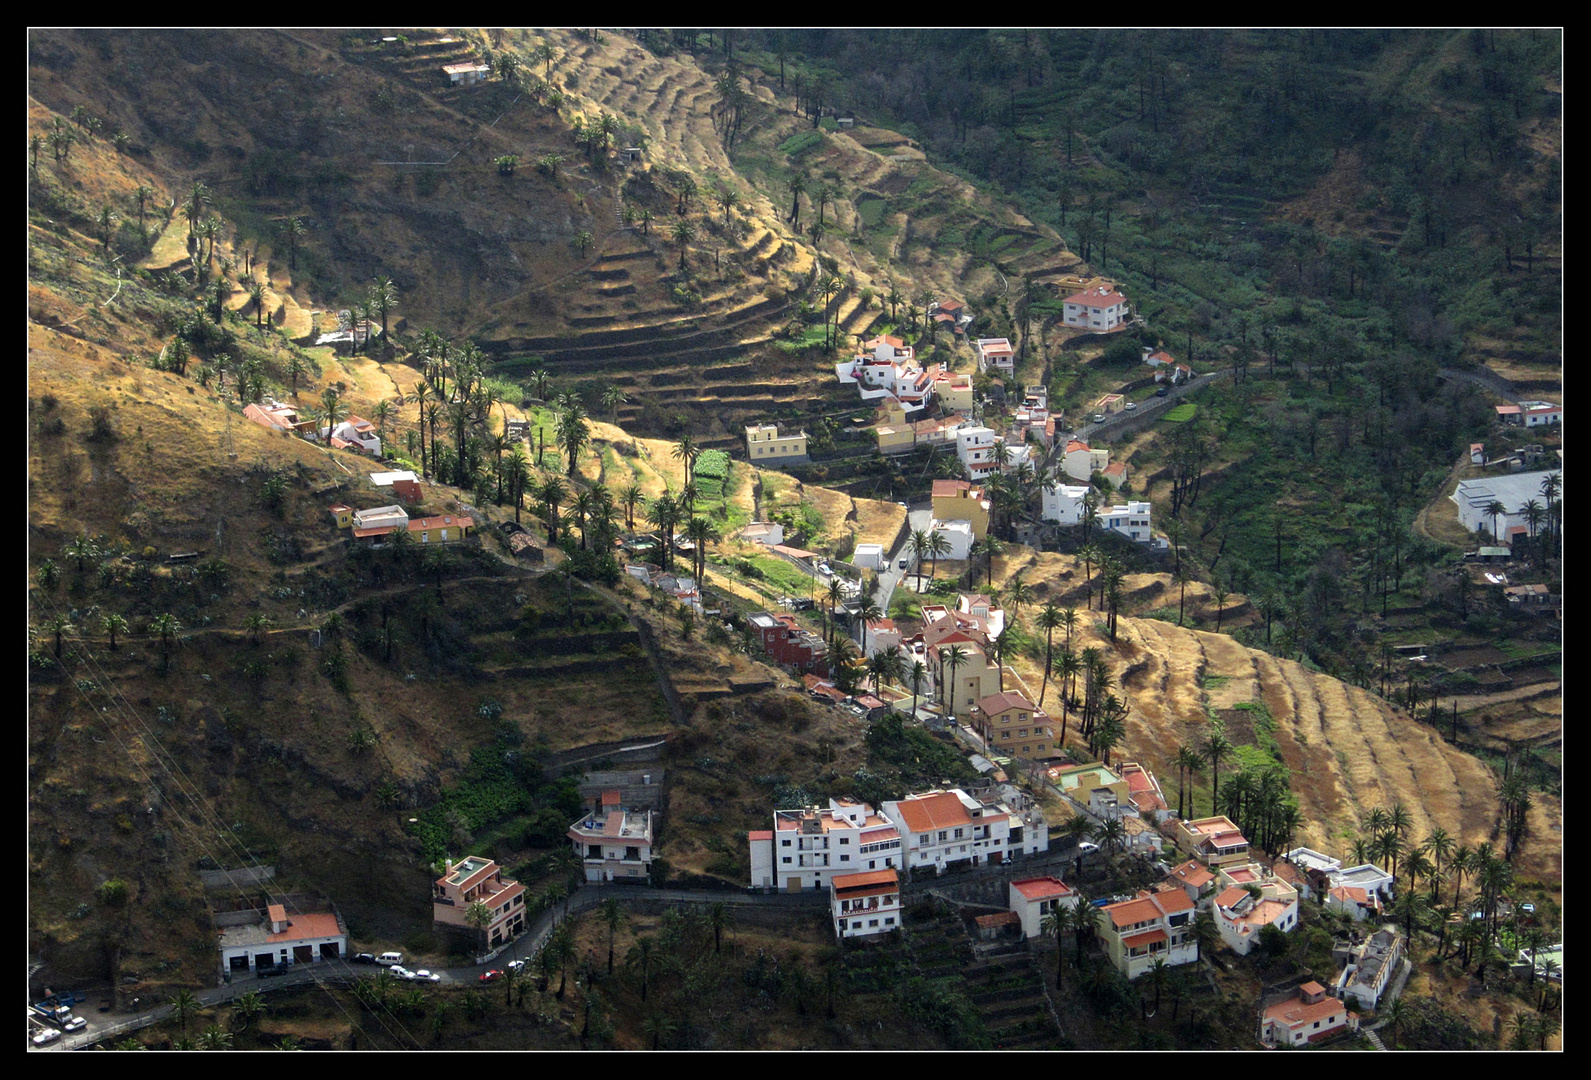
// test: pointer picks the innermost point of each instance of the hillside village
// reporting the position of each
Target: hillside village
(522, 540)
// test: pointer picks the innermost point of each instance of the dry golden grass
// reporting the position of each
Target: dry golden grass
(878, 522)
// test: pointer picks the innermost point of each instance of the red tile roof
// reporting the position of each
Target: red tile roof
(949, 488)
(864, 880)
(1096, 298)
(307, 926)
(999, 918)
(760, 834)
(1009, 699)
(1148, 937)
(1042, 888)
(1230, 896)
(941, 811)
(1295, 1013)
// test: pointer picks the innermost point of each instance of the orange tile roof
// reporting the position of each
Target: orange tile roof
(941, 811)
(864, 880)
(1295, 1013)
(1193, 874)
(760, 834)
(1148, 937)
(999, 918)
(1230, 896)
(1042, 888)
(307, 926)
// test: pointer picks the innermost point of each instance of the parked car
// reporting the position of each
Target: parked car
(904, 563)
(362, 958)
(266, 971)
(1085, 847)
(46, 1036)
(1131, 405)
(425, 976)
(73, 1023)
(1099, 418)
(401, 972)
(387, 959)
(823, 568)
(1528, 909)
(516, 966)
(491, 976)
(1164, 391)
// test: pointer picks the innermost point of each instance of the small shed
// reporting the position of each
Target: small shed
(1004, 924)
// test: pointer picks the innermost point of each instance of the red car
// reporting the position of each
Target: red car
(491, 976)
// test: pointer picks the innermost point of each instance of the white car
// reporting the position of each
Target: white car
(1131, 405)
(1085, 847)
(516, 966)
(425, 976)
(1099, 418)
(73, 1023)
(46, 1036)
(823, 568)
(400, 972)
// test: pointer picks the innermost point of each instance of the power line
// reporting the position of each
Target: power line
(173, 771)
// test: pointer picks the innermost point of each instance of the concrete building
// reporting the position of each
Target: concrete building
(1033, 899)
(479, 880)
(1473, 497)
(1150, 927)
(765, 446)
(251, 940)
(613, 843)
(865, 903)
(1306, 1017)
(807, 847)
(1369, 967)
(1099, 310)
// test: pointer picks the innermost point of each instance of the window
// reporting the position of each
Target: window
(786, 843)
(787, 860)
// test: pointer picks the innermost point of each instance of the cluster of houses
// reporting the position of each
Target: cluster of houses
(353, 433)
(681, 588)
(373, 526)
(1531, 414)
(860, 854)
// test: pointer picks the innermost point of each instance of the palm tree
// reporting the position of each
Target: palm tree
(1049, 619)
(640, 957)
(83, 548)
(686, 452)
(1055, 925)
(551, 494)
(835, 597)
(1215, 748)
(718, 917)
(955, 656)
(248, 1006)
(656, 1024)
(796, 184)
(113, 624)
(938, 545)
(573, 431)
(1397, 1016)
(1496, 510)
(613, 917)
(167, 626)
(665, 514)
(1071, 665)
(631, 497)
(1206, 935)
(918, 672)
(1188, 762)
(183, 1006)
(869, 612)
(683, 233)
(213, 1038)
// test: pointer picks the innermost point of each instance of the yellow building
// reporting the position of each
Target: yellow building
(764, 445)
(958, 500)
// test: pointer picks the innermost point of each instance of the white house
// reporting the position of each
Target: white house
(468, 74)
(1514, 491)
(949, 828)
(806, 848)
(1541, 413)
(868, 556)
(1063, 503)
(1080, 462)
(975, 446)
(1241, 913)
(865, 903)
(356, 433)
(996, 355)
(1033, 899)
(958, 534)
(251, 940)
(1099, 310)
(1308, 1017)
(614, 844)
(1129, 519)
(1370, 967)
(767, 533)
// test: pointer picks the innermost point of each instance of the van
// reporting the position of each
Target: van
(389, 959)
